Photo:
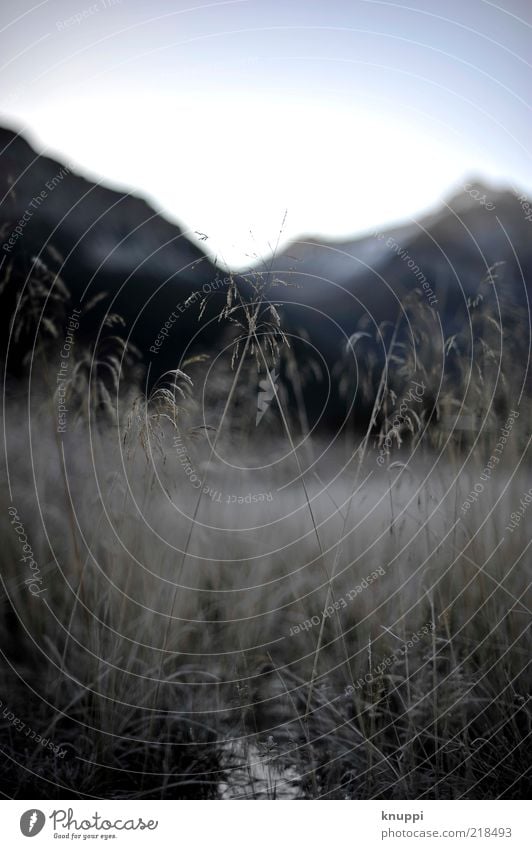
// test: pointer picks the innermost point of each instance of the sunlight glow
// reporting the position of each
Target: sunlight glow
(232, 169)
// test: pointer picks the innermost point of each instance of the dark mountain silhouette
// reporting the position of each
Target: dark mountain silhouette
(445, 255)
(105, 241)
(99, 241)
(341, 288)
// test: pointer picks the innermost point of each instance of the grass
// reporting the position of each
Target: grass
(169, 655)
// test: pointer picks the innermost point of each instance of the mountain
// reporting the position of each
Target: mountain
(444, 254)
(340, 289)
(100, 241)
(110, 243)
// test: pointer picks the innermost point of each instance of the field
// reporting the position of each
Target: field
(201, 604)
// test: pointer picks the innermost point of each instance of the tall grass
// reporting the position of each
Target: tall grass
(354, 634)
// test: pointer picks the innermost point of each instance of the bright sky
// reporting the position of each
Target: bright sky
(347, 115)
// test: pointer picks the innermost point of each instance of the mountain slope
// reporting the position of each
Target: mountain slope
(445, 255)
(100, 241)
(103, 241)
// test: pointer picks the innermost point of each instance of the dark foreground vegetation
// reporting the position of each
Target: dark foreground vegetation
(201, 602)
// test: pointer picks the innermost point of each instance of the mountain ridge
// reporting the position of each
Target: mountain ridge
(114, 243)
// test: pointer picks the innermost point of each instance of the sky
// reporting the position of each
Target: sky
(253, 121)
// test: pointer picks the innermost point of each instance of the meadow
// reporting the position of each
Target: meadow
(214, 606)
